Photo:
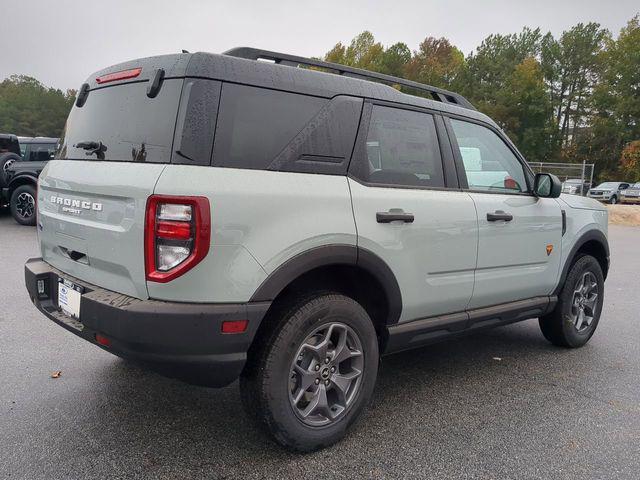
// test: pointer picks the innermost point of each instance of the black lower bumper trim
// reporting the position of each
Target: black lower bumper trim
(182, 340)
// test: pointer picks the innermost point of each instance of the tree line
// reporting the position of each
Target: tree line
(30, 109)
(565, 99)
(569, 98)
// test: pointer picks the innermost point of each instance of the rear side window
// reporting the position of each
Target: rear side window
(402, 149)
(256, 124)
(130, 126)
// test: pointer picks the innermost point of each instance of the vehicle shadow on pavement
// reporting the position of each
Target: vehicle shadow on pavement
(412, 386)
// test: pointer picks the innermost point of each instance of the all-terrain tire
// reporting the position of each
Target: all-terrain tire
(6, 160)
(23, 205)
(560, 326)
(266, 382)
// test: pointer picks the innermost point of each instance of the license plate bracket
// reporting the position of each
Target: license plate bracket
(69, 296)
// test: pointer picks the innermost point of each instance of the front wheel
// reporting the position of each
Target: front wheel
(577, 313)
(613, 200)
(314, 373)
(23, 205)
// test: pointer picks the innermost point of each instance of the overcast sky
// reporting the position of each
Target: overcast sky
(61, 42)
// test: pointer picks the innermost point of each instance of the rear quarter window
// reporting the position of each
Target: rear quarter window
(256, 124)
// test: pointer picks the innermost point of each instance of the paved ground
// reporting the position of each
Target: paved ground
(449, 411)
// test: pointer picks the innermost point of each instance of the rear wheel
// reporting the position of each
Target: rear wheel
(315, 373)
(23, 204)
(6, 160)
(576, 315)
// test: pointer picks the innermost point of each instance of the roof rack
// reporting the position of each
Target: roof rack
(436, 93)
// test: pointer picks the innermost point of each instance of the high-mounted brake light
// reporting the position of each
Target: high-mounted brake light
(177, 235)
(121, 75)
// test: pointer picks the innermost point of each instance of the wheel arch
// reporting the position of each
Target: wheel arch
(592, 242)
(344, 268)
(22, 179)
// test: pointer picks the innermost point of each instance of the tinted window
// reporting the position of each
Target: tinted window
(402, 149)
(131, 126)
(41, 152)
(488, 163)
(256, 124)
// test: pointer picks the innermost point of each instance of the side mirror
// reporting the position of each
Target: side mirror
(547, 186)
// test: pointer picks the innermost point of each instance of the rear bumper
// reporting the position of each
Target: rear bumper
(181, 340)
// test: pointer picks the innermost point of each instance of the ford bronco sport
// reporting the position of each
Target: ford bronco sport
(218, 217)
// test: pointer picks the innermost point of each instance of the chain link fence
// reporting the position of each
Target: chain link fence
(575, 177)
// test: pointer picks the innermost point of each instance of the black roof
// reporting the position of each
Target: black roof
(282, 76)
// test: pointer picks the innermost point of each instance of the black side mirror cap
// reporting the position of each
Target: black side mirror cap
(547, 185)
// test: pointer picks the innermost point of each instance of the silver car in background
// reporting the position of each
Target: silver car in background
(576, 186)
(609, 192)
(631, 194)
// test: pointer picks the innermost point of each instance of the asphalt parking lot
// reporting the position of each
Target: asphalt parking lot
(503, 404)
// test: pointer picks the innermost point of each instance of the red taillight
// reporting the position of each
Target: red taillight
(121, 75)
(172, 229)
(234, 326)
(177, 235)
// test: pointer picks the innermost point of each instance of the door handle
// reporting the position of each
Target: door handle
(393, 215)
(499, 215)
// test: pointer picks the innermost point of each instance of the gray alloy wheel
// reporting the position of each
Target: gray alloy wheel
(326, 374)
(613, 200)
(25, 205)
(585, 301)
(577, 312)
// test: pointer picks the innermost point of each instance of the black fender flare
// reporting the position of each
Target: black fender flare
(22, 179)
(328, 255)
(591, 235)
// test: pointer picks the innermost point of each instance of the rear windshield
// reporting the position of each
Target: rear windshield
(120, 123)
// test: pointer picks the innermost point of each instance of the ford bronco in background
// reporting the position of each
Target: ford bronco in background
(218, 217)
(19, 175)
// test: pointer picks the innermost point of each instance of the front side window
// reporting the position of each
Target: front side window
(402, 149)
(488, 163)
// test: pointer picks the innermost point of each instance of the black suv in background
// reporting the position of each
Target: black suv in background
(21, 161)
